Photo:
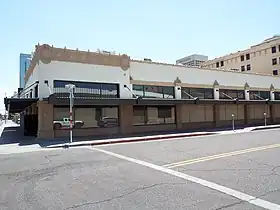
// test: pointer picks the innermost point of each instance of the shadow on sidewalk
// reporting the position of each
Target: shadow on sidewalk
(64, 140)
(13, 135)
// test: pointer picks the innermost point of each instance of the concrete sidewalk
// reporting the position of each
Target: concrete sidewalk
(159, 137)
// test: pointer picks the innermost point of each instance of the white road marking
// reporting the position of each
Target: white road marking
(234, 193)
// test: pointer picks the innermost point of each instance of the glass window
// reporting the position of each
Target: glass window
(139, 115)
(259, 95)
(153, 115)
(247, 56)
(88, 89)
(201, 93)
(273, 49)
(228, 93)
(242, 68)
(138, 90)
(242, 57)
(91, 117)
(168, 92)
(275, 72)
(149, 91)
(248, 66)
(95, 117)
(274, 61)
(277, 95)
(109, 90)
(153, 92)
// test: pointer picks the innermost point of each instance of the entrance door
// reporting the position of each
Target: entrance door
(30, 125)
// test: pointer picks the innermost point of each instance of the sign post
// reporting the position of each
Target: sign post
(71, 88)
(232, 122)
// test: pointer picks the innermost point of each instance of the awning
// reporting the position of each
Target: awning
(17, 105)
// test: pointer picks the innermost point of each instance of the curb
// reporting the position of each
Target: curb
(131, 140)
(265, 128)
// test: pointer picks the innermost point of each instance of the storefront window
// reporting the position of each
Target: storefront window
(89, 117)
(143, 115)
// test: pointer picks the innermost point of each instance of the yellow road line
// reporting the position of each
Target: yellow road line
(218, 156)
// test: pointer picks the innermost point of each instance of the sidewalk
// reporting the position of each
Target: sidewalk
(159, 137)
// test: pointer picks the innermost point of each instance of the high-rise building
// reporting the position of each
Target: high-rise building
(260, 58)
(24, 60)
(194, 60)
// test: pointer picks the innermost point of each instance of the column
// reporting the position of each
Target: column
(216, 93)
(272, 113)
(45, 120)
(272, 95)
(246, 114)
(177, 90)
(247, 94)
(125, 118)
(179, 114)
(216, 113)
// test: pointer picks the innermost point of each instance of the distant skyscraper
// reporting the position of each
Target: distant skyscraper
(24, 61)
(194, 60)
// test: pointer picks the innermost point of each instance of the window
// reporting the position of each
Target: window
(279, 48)
(143, 115)
(88, 89)
(242, 57)
(274, 61)
(228, 94)
(86, 117)
(275, 72)
(277, 95)
(248, 56)
(259, 95)
(273, 49)
(217, 65)
(36, 91)
(30, 94)
(242, 68)
(248, 67)
(149, 91)
(222, 63)
(201, 93)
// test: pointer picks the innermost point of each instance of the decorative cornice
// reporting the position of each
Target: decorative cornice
(46, 54)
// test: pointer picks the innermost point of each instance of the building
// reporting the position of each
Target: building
(261, 58)
(194, 60)
(24, 60)
(116, 95)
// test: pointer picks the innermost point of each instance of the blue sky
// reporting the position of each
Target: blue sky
(163, 30)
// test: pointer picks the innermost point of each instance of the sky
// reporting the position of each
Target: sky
(163, 30)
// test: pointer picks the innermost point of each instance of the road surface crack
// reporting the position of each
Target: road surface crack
(122, 195)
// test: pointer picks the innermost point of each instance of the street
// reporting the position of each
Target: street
(233, 171)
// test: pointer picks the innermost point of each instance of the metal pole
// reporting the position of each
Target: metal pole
(264, 119)
(71, 114)
(232, 122)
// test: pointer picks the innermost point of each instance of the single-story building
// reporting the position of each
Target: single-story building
(115, 94)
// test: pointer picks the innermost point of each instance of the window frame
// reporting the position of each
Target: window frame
(274, 61)
(247, 56)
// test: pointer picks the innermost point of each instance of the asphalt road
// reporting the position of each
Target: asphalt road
(213, 172)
